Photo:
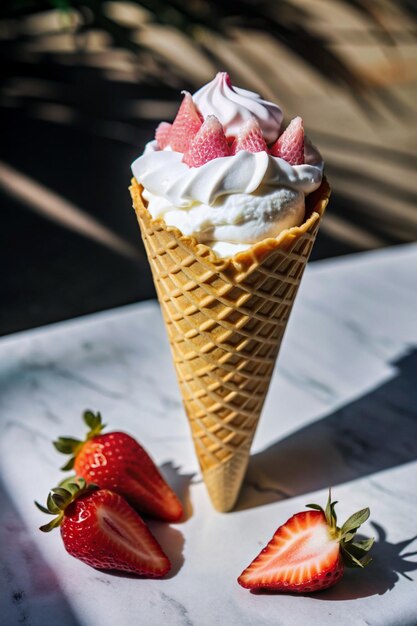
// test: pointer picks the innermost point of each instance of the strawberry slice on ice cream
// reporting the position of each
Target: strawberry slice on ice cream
(309, 552)
(99, 528)
(290, 145)
(118, 462)
(209, 143)
(187, 123)
(162, 134)
(250, 138)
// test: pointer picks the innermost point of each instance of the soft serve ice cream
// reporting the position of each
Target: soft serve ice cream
(224, 173)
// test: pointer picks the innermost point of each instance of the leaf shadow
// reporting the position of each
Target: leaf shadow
(172, 542)
(180, 483)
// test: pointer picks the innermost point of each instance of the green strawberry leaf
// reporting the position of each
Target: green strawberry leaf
(316, 507)
(361, 548)
(355, 520)
(71, 446)
(349, 536)
(52, 507)
(349, 559)
(59, 501)
(52, 524)
(67, 445)
(43, 508)
(364, 544)
(69, 465)
(64, 493)
(92, 420)
(60, 497)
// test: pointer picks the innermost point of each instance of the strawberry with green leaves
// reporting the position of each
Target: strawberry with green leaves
(309, 552)
(117, 462)
(99, 528)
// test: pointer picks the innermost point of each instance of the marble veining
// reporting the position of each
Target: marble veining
(342, 410)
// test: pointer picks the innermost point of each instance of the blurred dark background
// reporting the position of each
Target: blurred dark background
(83, 85)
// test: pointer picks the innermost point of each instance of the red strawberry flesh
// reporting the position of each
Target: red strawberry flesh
(209, 143)
(103, 531)
(309, 552)
(186, 125)
(301, 556)
(290, 145)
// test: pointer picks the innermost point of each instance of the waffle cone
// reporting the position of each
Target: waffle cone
(225, 320)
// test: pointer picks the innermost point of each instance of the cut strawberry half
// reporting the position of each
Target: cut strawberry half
(186, 124)
(209, 143)
(290, 145)
(99, 528)
(250, 138)
(309, 552)
(116, 461)
(162, 134)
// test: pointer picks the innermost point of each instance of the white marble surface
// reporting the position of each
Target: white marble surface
(342, 410)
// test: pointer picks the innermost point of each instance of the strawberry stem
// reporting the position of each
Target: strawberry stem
(354, 553)
(71, 446)
(60, 498)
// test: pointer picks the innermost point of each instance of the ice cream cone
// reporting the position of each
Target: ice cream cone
(225, 320)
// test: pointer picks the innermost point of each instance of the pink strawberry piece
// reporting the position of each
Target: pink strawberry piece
(162, 134)
(186, 125)
(250, 138)
(209, 143)
(290, 145)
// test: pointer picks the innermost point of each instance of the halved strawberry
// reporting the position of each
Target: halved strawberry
(162, 134)
(118, 462)
(309, 552)
(99, 528)
(290, 145)
(250, 138)
(209, 143)
(187, 123)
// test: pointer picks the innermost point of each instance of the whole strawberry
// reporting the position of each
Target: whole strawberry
(118, 462)
(309, 552)
(99, 528)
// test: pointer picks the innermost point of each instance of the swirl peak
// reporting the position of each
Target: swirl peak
(233, 106)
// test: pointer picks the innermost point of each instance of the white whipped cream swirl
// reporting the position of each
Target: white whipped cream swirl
(233, 106)
(164, 174)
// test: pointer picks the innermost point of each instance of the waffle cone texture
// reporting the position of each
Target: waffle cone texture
(225, 320)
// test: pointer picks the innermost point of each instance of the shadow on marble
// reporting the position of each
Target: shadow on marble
(375, 432)
(30, 587)
(389, 563)
(180, 483)
(172, 543)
